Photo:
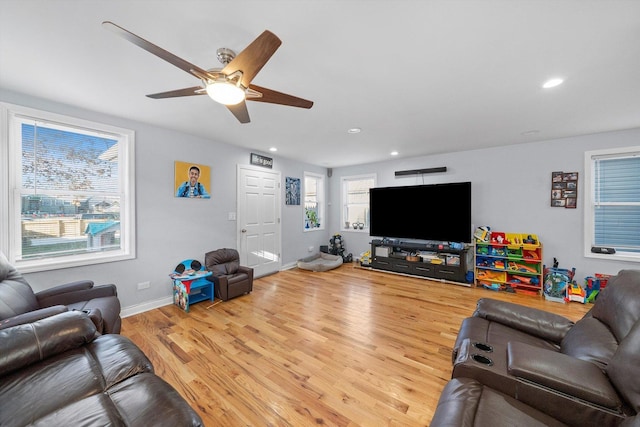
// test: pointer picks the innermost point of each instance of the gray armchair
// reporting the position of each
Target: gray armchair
(19, 304)
(229, 277)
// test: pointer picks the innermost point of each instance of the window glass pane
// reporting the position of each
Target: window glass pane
(313, 195)
(55, 159)
(618, 180)
(618, 227)
(69, 192)
(356, 201)
(615, 200)
(54, 226)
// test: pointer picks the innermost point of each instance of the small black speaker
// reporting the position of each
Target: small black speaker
(602, 250)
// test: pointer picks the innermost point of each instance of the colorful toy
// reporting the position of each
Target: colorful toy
(556, 281)
(526, 280)
(491, 286)
(516, 266)
(575, 292)
(482, 234)
(592, 288)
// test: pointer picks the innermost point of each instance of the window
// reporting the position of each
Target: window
(612, 208)
(355, 201)
(313, 201)
(68, 197)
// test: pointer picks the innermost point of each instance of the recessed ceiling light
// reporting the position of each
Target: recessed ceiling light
(273, 149)
(354, 130)
(394, 153)
(552, 83)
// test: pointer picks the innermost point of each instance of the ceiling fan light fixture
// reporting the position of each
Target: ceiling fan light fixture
(225, 92)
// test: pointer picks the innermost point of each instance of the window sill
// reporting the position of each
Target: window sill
(618, 256)
(36, 265)
(364, 230)
(306, 230)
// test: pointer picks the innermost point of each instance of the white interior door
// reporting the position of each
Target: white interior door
(259, 238)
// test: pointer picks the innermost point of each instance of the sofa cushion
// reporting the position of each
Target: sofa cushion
(222, 261)
(26, 344)
(590, 340)
(16, 296)
(618, 305)
(624, 368)
(465, 402)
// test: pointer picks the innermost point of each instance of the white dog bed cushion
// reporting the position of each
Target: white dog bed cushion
(320, 262)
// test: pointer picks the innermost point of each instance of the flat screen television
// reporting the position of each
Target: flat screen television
(436, 212)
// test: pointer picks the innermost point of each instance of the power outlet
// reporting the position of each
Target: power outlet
(144, 285)
(310, 248)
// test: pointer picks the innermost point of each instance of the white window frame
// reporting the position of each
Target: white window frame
(343, 197)
(10, 181)
(320, 199)
(590, 201)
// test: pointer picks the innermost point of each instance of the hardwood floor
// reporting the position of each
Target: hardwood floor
(347, 347)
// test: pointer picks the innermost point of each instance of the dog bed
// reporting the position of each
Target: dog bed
(320, 262)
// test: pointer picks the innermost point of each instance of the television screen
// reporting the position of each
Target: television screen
(439, 212)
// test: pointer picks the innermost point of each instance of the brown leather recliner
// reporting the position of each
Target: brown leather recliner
(515, 365)
(19, 304)
(229, 277)
(594, 338)
(58, 371)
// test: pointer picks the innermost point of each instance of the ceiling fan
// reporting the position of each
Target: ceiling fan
(231, 85)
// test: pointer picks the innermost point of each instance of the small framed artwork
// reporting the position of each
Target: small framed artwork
(564, 189)
(292, 190)
(191, 180)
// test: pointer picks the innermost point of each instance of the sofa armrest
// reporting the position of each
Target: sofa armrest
(29, 343)
(540, 323)
(561, 373)
(74, 292)
(79, 285)
(32, 316)
(247, 270)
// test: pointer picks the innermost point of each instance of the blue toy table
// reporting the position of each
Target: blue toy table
(190, 284)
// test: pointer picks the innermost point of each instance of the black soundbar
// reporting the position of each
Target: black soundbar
(421, 171)
(602, 250)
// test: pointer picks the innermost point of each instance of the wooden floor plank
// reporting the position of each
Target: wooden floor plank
(346, 347)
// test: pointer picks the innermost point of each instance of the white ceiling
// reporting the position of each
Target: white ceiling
(420, 77)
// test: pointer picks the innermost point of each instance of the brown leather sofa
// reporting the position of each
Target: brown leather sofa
(229, 277)
(521, 366)
(59, 371)
(19, 304)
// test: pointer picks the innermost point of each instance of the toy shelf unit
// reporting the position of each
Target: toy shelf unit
(510, 262)
(434, 260)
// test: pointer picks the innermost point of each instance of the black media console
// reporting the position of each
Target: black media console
(448, 263)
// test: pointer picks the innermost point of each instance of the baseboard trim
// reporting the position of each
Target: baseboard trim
(146, 306)
(289, 266)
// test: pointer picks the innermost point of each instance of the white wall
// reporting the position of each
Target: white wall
(511, 189)
(170, 229)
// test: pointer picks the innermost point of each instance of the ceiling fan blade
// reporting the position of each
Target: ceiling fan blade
(240, 111)
(275, 97)
(188, 91)
(156, 50)
(251, 60)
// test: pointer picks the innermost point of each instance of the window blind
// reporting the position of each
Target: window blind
(617, 203)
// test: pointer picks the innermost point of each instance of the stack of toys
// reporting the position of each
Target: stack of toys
(556, 282)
